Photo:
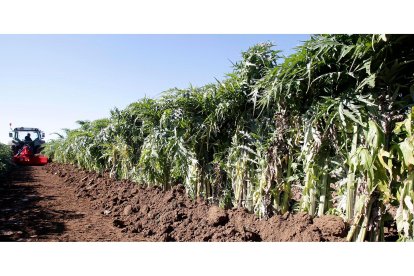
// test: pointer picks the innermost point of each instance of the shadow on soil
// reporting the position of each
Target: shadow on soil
(21, 216)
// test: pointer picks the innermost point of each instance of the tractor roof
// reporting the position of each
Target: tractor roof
(26, 129)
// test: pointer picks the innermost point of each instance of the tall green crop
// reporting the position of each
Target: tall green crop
(5, 158)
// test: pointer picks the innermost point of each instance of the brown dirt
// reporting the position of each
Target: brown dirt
(36, 206)
(62, 203)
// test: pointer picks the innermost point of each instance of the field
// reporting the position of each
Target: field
(318, 147)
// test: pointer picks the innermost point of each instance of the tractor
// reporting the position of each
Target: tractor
(26, 145)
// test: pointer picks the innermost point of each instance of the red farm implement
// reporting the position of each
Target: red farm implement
(26, 145)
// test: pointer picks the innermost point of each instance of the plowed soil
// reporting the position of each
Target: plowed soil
(63, 203)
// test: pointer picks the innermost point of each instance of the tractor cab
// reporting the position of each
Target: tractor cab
(26, 144)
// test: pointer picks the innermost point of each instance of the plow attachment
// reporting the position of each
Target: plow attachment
(26, 157)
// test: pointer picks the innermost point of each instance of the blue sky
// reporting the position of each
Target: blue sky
(50, 81)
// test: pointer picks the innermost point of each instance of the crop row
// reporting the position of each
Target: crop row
(327, 131)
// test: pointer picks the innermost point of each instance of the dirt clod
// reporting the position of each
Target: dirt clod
(127, 210)
(331, 226)
(217, 216)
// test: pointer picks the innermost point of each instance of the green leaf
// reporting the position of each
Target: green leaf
(351, 116)
(381, 154)
(407, 151)
(409, 203)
